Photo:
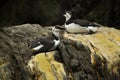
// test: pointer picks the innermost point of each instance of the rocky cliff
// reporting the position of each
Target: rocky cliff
(78, 57)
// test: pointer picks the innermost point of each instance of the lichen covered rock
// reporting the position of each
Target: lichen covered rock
(45, 67)
(105, 51)
(78, 57)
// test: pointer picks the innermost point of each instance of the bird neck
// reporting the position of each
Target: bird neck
(64, 24)
(68, 18)
(55, 37)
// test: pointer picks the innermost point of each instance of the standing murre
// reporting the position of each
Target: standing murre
(79, 26)
(45, 44)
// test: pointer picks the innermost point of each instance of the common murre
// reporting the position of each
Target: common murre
(79, 26)
(45, 44)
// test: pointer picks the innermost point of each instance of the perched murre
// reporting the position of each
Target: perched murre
(45, 44)
(79, 26)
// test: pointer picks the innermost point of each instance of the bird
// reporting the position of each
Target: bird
(48, 43)
(79, 26)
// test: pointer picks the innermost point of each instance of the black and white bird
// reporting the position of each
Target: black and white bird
(79, 26)
(46, 44)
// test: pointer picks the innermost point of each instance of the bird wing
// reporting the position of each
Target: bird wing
(48, 44)
(83, 23)
(42, 45)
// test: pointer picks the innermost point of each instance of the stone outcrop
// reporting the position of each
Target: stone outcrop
(46, 67)
(78, 57)
(14, 50)
(105, 51)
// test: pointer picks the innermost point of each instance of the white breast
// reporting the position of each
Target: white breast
(57, 42)
(74, 28)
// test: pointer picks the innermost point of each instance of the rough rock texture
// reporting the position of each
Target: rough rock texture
(78, 57)
(14, 50)
(105, 51)
(46, 67)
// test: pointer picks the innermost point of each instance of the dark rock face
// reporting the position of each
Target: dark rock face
(81, 61)
(77, 61)
(14, 44)
(14, 50)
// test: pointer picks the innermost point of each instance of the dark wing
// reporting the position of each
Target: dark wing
(47, 42)
(80, 22)
(35, 43)
(83, 23)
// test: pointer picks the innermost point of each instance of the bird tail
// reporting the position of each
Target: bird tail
(96, 24)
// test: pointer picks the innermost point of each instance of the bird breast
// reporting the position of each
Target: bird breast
(56, 43)
(75, 28)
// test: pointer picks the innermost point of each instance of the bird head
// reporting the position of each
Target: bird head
(56, 31)
(67, 15)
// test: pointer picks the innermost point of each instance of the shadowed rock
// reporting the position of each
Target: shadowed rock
(78, 57)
